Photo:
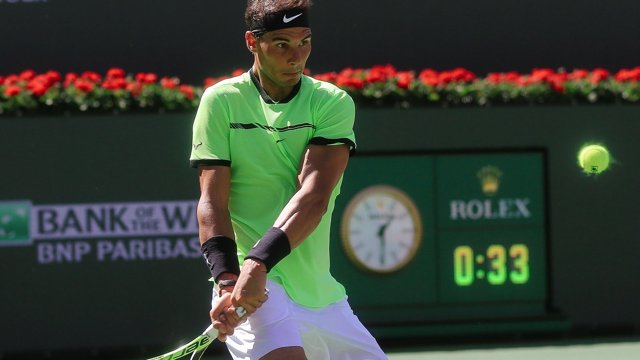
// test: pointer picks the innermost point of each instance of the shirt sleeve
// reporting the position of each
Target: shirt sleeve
(334, 123)
(210, 144)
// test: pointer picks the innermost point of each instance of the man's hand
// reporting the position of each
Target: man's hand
(249, 291)
(224, 317)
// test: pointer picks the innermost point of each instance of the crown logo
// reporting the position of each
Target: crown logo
(489, 179)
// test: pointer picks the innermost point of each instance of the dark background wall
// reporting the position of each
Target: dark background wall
(198, 38)
(52, 306)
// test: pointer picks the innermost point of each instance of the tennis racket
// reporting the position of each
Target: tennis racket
(197, 346)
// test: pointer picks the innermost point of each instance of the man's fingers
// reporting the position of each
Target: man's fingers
(219, 306)
(233, 319)
(230, 332)
(222, 329)
(250, 304)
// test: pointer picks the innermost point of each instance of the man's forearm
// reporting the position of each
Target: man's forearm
(213, 220)
(302, 215)
(217, 240)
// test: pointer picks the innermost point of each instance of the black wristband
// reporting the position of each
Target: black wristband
(273, 247)
(221, 255)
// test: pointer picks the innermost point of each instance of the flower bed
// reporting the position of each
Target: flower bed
(380, 85)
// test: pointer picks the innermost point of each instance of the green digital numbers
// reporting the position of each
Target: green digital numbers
(498, 265)
(463, 265)
(520, 255)
(495, 264)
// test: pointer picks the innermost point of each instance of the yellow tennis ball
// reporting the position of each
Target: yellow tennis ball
(594, 159)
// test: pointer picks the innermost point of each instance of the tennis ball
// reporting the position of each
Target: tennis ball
(593, 159)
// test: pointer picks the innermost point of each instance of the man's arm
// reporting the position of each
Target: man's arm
(213, 207)
(322, 168)
(213, 210)
(214, 220)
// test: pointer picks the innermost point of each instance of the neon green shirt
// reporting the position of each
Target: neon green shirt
(238, 125)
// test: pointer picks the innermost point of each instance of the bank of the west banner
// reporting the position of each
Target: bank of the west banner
(122, 231)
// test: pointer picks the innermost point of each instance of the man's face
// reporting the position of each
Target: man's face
(282, 55)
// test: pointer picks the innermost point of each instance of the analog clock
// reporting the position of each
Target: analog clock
(381, 229)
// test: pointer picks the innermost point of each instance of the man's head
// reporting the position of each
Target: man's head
(279, 36)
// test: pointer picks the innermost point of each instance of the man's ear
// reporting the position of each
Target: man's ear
(250, 40)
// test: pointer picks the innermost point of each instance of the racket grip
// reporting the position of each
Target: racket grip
(211, 332)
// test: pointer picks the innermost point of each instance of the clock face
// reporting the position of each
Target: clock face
(381, 229)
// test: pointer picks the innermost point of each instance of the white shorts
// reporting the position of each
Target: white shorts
(330, 333)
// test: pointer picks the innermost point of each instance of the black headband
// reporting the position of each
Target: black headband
(280, 20)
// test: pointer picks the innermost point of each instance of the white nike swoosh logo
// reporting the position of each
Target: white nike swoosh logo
(285, 19)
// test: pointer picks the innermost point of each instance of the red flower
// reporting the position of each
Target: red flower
(53, 76)
(187, 90)
(115, 73)
(1, 80)
(429, 77)
(404, 79)
(374, 76)
(578, 74)
(135, 88)
(169, 83)
(597, 75)
(91, 76)
(540, 75)
(37, 88)
(42, 79)
(12, 90)
(328, 77)
(115, 84)
(11, 79)
(511, 77)
(350, 82)
(39, 85)
(210, 81)
(557, 81)
(27, 75)
(70, 79)
(351, 72)
(462, 75)
(237, 72)
(380, 73)
(622, 75)
(494, 78)
(351, 78)
(84, 85)
(523, 80)
(146, 78)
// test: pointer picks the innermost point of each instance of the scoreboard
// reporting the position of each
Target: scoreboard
(443, 238)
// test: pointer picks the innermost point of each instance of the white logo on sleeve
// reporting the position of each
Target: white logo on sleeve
(285, 19)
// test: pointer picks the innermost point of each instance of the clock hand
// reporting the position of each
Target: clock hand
(383, 241)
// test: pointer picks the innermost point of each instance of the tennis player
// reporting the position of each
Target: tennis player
(271, 146)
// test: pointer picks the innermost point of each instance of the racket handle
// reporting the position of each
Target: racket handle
(211, 332)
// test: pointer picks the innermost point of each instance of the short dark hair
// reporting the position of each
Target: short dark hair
(257, 9)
